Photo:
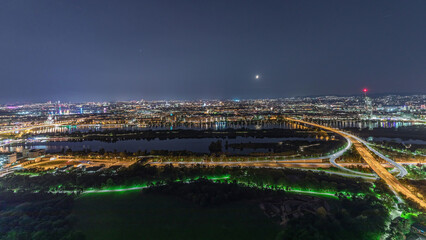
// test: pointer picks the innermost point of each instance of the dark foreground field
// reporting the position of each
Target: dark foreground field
(137, 215)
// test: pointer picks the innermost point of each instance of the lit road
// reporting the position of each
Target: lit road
(372, 162)
(333, 162)
(401, 169)
(338, 154)
(352, 138)
(30, 128)
(270, 164)
(4, 172)
(90, 162)
(333, 158)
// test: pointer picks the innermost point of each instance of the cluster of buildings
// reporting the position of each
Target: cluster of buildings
(27, 155)
(148, 113)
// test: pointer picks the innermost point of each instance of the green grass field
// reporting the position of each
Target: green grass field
(146, 216)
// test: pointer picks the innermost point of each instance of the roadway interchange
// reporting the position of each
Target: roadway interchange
(360, 145)
(377, 167)
(401, 169)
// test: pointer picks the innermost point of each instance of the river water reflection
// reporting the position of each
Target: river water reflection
(193, 145)
(199, 145)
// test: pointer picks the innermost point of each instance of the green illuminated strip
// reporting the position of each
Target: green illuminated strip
(27, 173)
(224, 177)
(302, 191)
(114, 190)
(219, 177)
(407, 215)
(314, 193)
(140, 187)
(308, 192)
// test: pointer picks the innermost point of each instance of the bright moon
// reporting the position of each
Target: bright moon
(257, 76)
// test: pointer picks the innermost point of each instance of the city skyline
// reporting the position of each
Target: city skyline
(360, 95)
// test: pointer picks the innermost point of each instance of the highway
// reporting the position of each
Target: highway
(361, 146)
(401, 169)
(4, 172)
(271, 164)
(333, 162)
(364, 151)
(88, 162)
(334, 156)
(30, 128)
(352, 139)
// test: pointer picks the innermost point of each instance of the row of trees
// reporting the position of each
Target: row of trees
(37, 216)
(140, 173)
(356, 218)
(360, 206)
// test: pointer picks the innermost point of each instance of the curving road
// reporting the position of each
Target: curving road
(351, 138)
(401, 169)
(333, 158)
(364, 151)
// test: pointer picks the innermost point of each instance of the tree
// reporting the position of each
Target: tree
(102, 151)
(398, 228)
(215, 147)
(109, 182)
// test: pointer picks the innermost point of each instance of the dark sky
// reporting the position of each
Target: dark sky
(178, 49)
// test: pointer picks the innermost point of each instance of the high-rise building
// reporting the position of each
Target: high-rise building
(13, 157)
(368, 103)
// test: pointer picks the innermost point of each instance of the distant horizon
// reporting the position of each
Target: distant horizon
(219, 99)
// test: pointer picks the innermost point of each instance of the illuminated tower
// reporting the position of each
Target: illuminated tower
(368, 103)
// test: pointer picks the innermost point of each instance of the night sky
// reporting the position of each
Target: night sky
(177, 49)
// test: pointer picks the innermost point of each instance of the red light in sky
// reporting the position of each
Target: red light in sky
(365, 90)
